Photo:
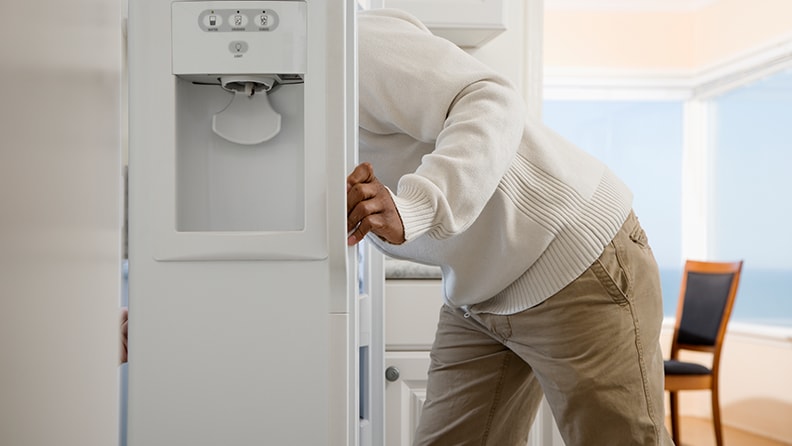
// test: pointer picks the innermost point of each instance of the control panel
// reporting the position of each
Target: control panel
(238, 20)
(220, 38)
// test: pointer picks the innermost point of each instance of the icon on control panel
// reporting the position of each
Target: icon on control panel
(238, 20)
(238, 47)
(211, 21)
(263, 20)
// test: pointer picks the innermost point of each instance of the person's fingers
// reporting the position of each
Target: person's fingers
(372, 223)
(355, 236)
(370, 208)
(361, 185)
(363, 173)
(366, 199)
(385, 223)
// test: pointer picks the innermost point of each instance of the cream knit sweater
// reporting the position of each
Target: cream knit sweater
(510, 211)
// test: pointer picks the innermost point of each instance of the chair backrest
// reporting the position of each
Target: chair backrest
(706, 299)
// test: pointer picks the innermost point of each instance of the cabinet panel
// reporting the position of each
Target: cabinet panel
(412, 308)
(468, 23)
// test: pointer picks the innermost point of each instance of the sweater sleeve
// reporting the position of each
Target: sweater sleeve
(420, 85)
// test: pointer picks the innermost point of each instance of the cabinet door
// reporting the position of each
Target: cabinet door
(405, 392)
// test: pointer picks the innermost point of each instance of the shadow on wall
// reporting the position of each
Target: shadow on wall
(766, 416)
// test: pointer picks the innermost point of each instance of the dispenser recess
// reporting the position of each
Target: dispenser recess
(245, 171)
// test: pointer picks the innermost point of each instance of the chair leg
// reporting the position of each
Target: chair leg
(674, 405)
(716, 419)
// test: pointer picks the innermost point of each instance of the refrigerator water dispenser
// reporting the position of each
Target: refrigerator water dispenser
(244, 178)
(240, 147)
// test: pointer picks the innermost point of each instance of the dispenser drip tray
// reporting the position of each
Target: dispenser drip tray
(249, 118)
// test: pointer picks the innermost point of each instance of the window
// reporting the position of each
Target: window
(642, 142)
(743, 171)
(751, 206)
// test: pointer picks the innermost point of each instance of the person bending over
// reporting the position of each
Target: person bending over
(549, 284)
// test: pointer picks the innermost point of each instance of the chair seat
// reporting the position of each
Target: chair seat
(674, 367)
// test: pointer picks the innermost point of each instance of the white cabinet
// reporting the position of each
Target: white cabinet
(411, 311)
(468, 23)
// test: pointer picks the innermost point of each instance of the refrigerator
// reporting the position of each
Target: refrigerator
(250, 320)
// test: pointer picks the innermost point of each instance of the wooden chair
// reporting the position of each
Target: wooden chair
(706, 298)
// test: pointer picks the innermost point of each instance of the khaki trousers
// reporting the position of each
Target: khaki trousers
(592, 349)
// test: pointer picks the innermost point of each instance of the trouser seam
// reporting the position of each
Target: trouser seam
(600, 272)
(644, 373)
(495, 400)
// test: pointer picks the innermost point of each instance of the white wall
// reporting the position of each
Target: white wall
(661, 40)
(60, 222)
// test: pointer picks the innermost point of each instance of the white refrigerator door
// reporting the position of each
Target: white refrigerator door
(245, 327)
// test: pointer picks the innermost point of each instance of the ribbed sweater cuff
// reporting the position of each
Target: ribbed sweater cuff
(416, 212)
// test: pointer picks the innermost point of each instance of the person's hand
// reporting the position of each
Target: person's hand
(124, 336)
(370, 208)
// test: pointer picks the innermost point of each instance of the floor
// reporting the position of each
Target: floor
(699, 432)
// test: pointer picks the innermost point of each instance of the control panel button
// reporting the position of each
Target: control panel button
(263, 20)
(212, 20)
(238, 20)
(238, 47)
